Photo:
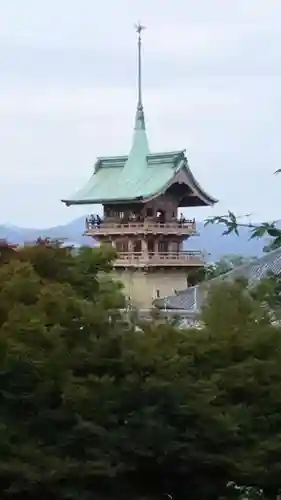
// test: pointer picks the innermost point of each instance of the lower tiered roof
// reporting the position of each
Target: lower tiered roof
(192, 298)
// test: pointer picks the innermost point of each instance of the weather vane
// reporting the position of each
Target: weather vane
(139, 28)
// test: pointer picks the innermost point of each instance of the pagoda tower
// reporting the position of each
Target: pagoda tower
(142, 195)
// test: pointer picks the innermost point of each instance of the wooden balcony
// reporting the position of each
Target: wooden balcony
(162, 259)
(107, 228)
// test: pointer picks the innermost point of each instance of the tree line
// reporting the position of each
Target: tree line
(93, 408)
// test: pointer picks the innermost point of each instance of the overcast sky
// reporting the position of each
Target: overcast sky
(212, 85)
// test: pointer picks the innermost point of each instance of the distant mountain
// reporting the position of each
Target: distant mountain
(210, 238)
(72, 232)
(216, 245)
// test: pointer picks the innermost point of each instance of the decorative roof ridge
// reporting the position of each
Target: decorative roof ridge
(166, 153)
(110, 162)
(110, 158)
(150, 156)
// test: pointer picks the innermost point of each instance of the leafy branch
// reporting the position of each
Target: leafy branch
(232, 225)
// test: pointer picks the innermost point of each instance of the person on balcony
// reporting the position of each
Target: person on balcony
(160, 217)
(98, 221)
(182, 219)
(91, 220)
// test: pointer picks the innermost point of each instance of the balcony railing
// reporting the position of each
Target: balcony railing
(140, 259)
(146, 227)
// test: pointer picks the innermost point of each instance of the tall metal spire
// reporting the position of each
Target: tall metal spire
(140, 123)
(140, 149)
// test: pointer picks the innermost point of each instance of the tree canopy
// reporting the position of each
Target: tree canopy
(92, 408)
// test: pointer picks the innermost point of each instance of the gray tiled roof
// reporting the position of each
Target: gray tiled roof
(192, 298)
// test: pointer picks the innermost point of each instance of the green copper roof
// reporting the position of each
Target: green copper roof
(137, 176)
(140, 175)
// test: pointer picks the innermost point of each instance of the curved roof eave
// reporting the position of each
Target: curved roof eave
(201, 193)
(89, 201)
(190, 182)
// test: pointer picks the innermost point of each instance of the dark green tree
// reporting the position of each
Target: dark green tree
(91, 407)
(239, 319)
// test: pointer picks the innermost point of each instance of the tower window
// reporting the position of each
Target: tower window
(157, 294)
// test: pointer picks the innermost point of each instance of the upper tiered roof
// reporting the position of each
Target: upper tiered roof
(141, 175)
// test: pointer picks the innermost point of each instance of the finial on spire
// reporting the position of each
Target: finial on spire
(139, 27)
(140, 115)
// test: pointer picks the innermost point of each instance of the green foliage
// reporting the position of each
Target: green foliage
(233, 225)
(229, 220)
(268, 292)
(93, 407)
(239, 323)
